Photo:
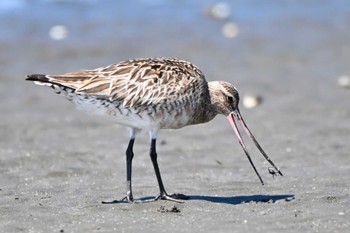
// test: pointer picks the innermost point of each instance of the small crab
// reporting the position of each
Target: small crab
(273, 172)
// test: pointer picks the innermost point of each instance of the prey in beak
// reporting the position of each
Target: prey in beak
(236, 115)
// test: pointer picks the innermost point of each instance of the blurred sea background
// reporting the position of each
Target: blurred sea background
(224, 34)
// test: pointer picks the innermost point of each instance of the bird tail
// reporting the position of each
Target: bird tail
(37, 77)
(40, 79)
(47, 80)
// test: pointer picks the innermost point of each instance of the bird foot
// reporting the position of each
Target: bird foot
(176, 197)
(128, 199)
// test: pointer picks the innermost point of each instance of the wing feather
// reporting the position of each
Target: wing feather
(137, 82)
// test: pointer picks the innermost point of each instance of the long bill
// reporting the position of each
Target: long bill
(231, 117)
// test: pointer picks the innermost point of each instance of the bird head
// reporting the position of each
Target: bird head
(225, 98)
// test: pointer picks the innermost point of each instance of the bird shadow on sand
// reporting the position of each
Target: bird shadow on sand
(234, 200)
(237, 200)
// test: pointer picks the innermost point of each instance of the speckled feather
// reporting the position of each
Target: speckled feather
(151, 94)
(138, 82)
(163, 93)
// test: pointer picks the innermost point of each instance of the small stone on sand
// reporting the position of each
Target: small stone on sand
(220, 10)
(251, 101)
(230, 30)
(58, 32)
(344, 81)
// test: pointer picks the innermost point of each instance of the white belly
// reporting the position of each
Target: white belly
(145, 119)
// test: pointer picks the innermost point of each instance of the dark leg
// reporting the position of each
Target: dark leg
(163, 195)
(129, 157)
(153, 155)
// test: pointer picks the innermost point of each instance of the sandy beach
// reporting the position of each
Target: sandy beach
(57, 164)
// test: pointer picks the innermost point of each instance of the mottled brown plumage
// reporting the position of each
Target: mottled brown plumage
(150, 94)
(137, 82)
(167, 89)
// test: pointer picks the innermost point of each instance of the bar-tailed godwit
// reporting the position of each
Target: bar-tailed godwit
(151, 94)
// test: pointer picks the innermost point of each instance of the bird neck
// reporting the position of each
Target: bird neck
(215, 102)
(207, 109)
(211, 105)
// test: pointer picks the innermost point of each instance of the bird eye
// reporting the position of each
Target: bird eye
(230, 99)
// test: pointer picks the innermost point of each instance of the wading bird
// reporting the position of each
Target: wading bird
(151, 94)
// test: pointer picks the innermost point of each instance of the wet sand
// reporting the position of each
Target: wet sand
(57, 164)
